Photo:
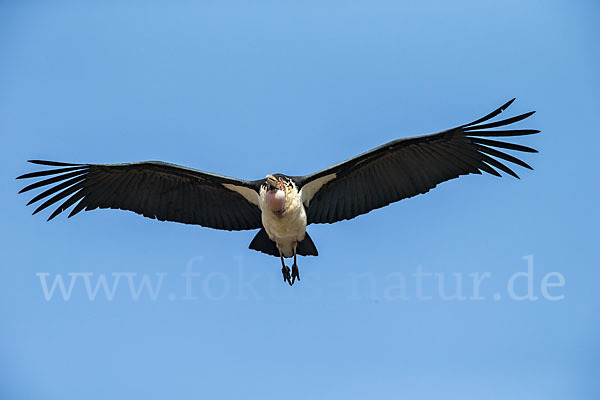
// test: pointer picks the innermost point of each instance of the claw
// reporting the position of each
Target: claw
(295, 273)
(285, 270)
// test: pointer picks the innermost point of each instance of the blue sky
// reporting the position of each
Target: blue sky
(249, 88)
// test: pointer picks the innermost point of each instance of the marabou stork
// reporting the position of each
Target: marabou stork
(282, 206)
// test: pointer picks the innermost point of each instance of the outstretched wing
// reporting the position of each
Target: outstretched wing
(407, 167)
(154, 189)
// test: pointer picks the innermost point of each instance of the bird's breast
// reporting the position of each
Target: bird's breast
(286, 228)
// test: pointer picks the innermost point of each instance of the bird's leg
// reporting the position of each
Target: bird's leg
(285, 270)
(295, 272)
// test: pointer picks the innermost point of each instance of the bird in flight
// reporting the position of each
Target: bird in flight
(282, 206)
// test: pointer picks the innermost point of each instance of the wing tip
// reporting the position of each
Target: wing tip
(52, 163)
(508, 103)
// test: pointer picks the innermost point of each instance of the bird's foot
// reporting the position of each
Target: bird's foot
(285, 270)
(295, 273)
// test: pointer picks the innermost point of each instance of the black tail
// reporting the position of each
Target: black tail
(261, 242)
(307, 247)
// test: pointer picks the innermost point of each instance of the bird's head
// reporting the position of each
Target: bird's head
(276, 194)
(274, 183)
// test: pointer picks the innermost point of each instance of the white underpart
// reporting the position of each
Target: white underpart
(249, 194)
(310, 189)
(289, 228)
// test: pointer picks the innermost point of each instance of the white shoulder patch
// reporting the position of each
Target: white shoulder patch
(310, 189)
(248, 193)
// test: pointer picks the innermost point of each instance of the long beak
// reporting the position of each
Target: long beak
(272, 182)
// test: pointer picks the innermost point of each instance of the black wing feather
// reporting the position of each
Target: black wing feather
(153, 189)
(407, 167)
